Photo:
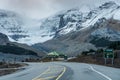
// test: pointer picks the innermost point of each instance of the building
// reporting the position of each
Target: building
(57, 56)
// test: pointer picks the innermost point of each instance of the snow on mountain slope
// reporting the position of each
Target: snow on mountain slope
(76, 20)
(20, 29)
(107, 10)
(36, 33)
(11, 24)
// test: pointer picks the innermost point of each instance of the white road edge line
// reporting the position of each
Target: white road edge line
(61, 74)
(100, 73)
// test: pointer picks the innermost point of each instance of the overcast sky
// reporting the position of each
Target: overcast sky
(44, 8)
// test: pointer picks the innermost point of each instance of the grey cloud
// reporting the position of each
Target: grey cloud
(44, 8)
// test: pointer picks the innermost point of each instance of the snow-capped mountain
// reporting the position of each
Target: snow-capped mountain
(75, 20)
(29, 31)
(75, 31)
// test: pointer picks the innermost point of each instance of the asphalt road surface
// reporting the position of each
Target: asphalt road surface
(64, 71)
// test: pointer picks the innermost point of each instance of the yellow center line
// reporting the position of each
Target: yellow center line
(41, 74)
(40, 79)
(50, 77)
(61, 74)
(48, 72)
(46, 78)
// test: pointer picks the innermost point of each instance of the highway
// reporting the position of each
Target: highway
(64, 71)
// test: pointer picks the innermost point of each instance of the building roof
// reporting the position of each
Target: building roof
(53, 53)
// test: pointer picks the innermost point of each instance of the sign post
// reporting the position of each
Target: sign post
(109, 54)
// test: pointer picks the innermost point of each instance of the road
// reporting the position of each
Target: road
(64, 71)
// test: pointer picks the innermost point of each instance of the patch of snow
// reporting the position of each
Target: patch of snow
(117, 15)
(68, 28)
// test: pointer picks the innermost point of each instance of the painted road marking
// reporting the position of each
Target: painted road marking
(51, 73)
(61, 74)
(46, 78)
(41, 74)
(100, 73)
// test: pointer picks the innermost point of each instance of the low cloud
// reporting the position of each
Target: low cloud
(44, 8)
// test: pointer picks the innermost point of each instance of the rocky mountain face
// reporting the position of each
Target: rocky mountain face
(75, 31)
(3, 39)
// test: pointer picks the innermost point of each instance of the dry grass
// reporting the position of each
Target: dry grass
(96, 60)
(6, 68)
(5, 72)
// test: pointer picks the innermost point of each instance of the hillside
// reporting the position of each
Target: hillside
(11, 51)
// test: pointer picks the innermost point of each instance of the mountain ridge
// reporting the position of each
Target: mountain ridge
(98, 25)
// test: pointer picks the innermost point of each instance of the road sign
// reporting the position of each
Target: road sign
(108, 53)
